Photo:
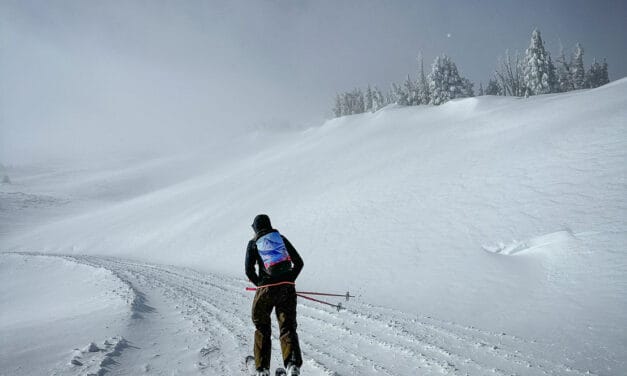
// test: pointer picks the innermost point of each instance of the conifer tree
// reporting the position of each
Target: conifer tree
(592, 74)
(422, 85)
(536, 67)
(410, 91)
(562, 71)
(368, 99)
(359, 102)
(597, 75)
(493, 88)
(467, 88)
(605, 75)
(400, 95)
(391, 96)
(577, 70)
(349, 103)
(378, 101)
(337, 108)
(444, 81)
(553, 82)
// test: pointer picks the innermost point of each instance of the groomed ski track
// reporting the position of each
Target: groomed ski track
(187, 322)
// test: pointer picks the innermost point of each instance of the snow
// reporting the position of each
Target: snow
(51, 306)
(452, 225)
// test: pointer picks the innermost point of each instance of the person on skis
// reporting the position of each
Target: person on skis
(278, 266)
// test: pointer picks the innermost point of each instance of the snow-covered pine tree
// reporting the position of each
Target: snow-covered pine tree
(358, 96)
(577, 70)
(562, 70)
(351, 102)
(444, 81)
(422, 85)
(345, 103)
(391, 96)
(410, 90)
(553, 83)
(597, 75)
(368, 100)
(337, 108)
(481, 92)
(592, 73)
(493, 88)
(467, 88)
(438, 82)
(605, 75)
(400, 95)
(536, 67)
(378, 101)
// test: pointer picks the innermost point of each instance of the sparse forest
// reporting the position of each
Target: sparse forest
(520, 75)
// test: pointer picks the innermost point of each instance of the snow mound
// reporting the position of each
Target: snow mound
(538, 244)
(95, 360)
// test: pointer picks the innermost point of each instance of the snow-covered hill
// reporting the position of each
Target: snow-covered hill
(504, 214)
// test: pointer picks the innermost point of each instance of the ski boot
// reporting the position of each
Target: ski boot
(292, 370)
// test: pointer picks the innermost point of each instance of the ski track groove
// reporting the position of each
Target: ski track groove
(418, 346)
(460, 336)
(391, 329)
(205, 321)
(382, 341)
(370, 340)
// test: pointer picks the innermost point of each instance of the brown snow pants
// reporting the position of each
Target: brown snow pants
(282, 298)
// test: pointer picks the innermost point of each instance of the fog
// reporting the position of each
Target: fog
(81, 79)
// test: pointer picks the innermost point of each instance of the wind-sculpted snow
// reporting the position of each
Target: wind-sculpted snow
(201, 325)
(546, 242)
(59, 317)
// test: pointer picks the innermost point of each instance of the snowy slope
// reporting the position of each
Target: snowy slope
(500, 213)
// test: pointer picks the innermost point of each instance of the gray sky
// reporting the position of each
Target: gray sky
(106, 76)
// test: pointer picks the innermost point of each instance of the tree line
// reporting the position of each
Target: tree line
(522, 76)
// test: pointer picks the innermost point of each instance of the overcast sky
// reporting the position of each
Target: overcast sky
(104, 76)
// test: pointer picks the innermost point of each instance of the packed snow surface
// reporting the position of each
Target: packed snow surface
(484, 236)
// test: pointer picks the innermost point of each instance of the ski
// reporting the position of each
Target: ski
(280, 372)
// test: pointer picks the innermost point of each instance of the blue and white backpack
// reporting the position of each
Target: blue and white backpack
(273, 253)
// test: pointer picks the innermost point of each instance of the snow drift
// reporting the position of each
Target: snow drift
(49, 306)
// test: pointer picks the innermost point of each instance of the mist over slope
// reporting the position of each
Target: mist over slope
(501, 212)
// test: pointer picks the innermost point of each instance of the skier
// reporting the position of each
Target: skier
(278, 264)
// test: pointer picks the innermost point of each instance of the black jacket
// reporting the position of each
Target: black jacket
(253, 257)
